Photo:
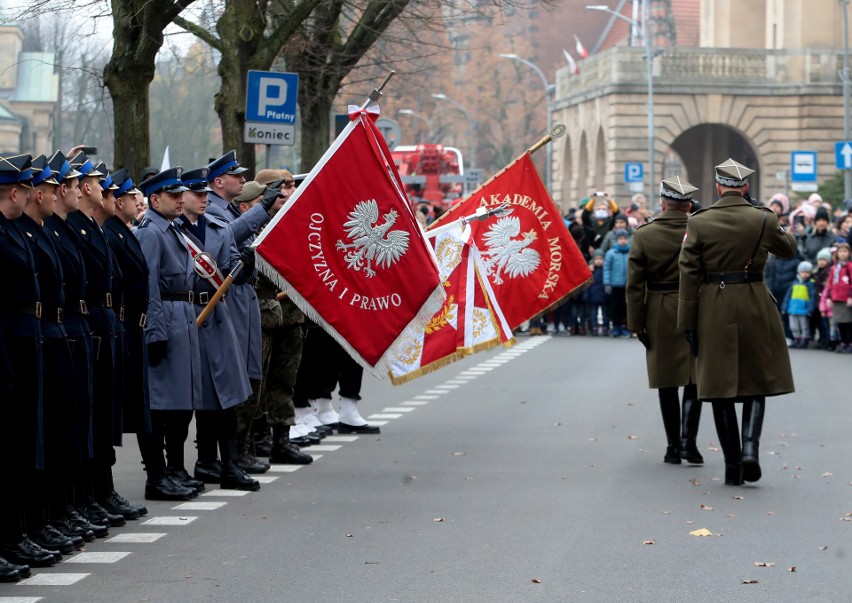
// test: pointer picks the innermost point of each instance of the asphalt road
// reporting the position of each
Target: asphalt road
(529, 474)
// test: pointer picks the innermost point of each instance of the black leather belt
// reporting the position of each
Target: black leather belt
(202, 297)
(734, 278)
(78, 307)
(179, 296)
(662, 287)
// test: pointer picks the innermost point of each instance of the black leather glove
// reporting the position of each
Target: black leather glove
(247, 258)
(270, 196)
(692, 338)
(156, 352)
(644, 340)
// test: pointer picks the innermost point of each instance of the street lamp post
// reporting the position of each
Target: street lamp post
(470, 123)
(411, 113)
(649, 58)
(847, 174)
(549, 89)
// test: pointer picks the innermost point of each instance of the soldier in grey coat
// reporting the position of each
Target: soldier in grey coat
(174, 356)
(652, 286)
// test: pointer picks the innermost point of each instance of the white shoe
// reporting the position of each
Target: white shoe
(349, 413)
(560, 328)
(551, 328)
(325, 412)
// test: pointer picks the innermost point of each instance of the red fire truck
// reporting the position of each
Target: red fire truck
(431, 173)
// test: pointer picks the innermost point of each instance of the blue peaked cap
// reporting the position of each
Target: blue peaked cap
(167, 180)
(226, 164)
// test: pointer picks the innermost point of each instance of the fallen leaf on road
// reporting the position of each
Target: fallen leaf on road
(632, 437)
(349, 535)
(770, 513)
(714, 449)
(458, 454)
(689, 523)
(822, 548)
(412, 477)
(649, 542)
(536, 581)
(438, 519)
(642, 450)
(694, 481)
(706, 508)
(715, 479)
(592, 440)
(558, 423)
(468, 478)
(826, 474)
(701, 532)
(667, 512)
(794, 476)
(792, 568)
(764, 564)
(749, 581)
(371, 563)
(737, 497)
(773, 453)
(730, 515)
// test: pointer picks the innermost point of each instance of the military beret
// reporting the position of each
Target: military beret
(251, 191)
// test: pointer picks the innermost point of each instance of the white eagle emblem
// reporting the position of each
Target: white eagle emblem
(372, 246)
(506, 255)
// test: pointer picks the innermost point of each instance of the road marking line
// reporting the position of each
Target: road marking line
(140, 538)
(448, 387)
(52, 579)
(316, 456)
(221, 492)
(324, 447)
(341, 438)
(265, 479)
(425, 397)
(169, 521)
(435, 391)
(385, 416)
(458, 381)
(103, 557)
(284, 468)
(378, 423)
(20, 599)
(415, 403)
(199, 506)
(397, 409)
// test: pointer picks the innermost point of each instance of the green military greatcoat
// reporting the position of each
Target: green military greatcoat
(742, 351)
(653, 265)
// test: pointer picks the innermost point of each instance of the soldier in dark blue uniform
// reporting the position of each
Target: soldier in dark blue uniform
(174, 360)
(21, 435)
(100, 272)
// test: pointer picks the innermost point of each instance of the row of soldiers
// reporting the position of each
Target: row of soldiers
(697, 302)
(102, 334)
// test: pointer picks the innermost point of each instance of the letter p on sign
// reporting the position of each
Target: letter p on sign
(273, 93)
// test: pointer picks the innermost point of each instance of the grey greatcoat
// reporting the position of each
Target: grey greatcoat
(174, 383)
(652, 285)
(224, 382)
(245, 309)
(741, 347)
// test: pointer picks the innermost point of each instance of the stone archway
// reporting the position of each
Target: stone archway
(600, 162)
(703, 146)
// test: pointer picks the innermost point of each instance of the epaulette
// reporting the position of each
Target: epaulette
(216, 221)
(144, 223)
(703, 209)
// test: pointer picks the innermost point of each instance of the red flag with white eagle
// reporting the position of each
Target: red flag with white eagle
(350, 253)
(470, 320)
(531, 260)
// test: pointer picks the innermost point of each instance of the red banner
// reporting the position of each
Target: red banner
(530, 258)
(350, 253)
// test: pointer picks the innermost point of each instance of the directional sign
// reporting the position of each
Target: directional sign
(803, 166)
(390, 130)
(633, 172)
(843, 155)
(271, 107)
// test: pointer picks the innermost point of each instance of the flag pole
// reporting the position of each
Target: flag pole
(557, 131)
(376, 94)
(220, 293)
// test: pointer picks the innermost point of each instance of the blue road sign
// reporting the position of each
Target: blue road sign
(633, 172)
(803, 166)
(843, 155)
(271, 97)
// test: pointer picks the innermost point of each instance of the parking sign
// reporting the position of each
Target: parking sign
(271, 100)
(633, 172)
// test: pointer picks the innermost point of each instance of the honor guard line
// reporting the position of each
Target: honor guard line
(374, 96)
(557, 131)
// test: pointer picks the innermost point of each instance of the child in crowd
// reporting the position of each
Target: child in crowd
(799, 303)
(819, 321)
(838, 297)
(595, 298)
(615, 283)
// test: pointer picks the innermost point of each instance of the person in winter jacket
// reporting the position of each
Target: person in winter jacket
(838, 297)
(596, 299)
(799, 303)
(598, 219)
(821, 236)
(615, 283)
(778, 275)
(819, 321)
(620, 222)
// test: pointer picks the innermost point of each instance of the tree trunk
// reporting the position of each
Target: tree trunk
(128, 87)
(315, 110)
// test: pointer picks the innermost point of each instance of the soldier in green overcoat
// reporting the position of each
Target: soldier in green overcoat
(652, 286)
(730, 318)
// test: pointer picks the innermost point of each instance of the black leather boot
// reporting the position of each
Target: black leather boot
(49, 538)
(208, 469)
(247, 461)
(727, 430)
(10, 572)
(691, 416)
(752, 426)
(285, 452)
(26, 552)
(234, 478)
(180, 475)
(670, 409)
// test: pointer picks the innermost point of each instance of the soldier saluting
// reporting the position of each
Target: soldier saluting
(652, 285)
(730, 318)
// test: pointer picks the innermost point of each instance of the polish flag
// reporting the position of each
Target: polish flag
(531, 260)
(571, 62)
(584, 54)
(349, 252)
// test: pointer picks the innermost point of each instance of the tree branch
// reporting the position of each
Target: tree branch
(199, 32)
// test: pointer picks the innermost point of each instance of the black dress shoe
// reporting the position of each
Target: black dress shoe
(28, 553)
(52, 540)
(289, 454)
(95, 513)
(733, 474)
(324, 430)
(180, 475)
(301, 442)
(166, 488)
(78, 520)
(314, 438)
(209, 473)
(362, 429)
(68, 529)
(250, 463)
(77, 541)
(672, 455)
(233, 478)
(9, 572)
(116, 505)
